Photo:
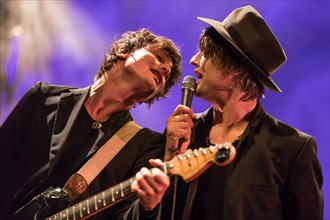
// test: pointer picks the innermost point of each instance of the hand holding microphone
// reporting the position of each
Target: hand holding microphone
(188, 88)
(180, 123)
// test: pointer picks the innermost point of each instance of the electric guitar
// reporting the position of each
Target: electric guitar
(188, 165)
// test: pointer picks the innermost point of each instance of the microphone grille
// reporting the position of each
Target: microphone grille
(189, 82)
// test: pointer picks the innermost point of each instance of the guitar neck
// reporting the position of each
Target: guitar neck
(99, 201)
(96, 203)
(188, 165)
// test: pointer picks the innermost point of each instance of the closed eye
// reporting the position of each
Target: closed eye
(159, 57)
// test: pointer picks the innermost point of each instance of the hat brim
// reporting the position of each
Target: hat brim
(263, 77)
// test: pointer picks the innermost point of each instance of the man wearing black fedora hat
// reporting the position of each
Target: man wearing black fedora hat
(276, 173)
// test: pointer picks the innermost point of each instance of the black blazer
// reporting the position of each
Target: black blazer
(275, 175)
(35, 135)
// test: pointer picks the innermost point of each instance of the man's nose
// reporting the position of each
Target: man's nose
(195, 59)
(166, 71)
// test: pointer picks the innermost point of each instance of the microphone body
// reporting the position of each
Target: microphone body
(188, 88)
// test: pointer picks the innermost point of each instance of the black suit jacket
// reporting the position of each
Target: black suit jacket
(35, 135)
(276, 175)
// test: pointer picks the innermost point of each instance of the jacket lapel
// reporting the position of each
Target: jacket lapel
(68, 108)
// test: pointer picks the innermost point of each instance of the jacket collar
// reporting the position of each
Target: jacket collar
(205, 120)
(69, 106)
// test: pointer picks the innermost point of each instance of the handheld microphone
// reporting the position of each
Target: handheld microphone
(188, 88)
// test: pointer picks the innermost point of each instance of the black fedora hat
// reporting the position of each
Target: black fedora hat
(253, 41)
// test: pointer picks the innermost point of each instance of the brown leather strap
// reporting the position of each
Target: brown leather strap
(78, 182)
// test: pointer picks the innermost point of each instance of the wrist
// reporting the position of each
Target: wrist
(170, 153)
(148, 212)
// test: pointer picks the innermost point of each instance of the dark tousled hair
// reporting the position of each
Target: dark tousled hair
(132, 41)
(214, 47)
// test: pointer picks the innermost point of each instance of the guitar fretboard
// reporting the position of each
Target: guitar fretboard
(99, 201)
(188, 165)
(96, 203)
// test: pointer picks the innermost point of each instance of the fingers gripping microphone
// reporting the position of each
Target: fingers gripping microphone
(188, 89)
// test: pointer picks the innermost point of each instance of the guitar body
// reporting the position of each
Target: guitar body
(51, 201)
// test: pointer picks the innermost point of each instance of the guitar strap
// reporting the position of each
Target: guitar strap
(78, 182)
(190, 199)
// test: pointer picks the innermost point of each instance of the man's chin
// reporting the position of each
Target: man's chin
(147, 96)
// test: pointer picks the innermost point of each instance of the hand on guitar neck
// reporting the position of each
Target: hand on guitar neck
(150, 184)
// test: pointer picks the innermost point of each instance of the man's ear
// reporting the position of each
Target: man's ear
(122, 56)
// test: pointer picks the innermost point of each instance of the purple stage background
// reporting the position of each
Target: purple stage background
(63, 42)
